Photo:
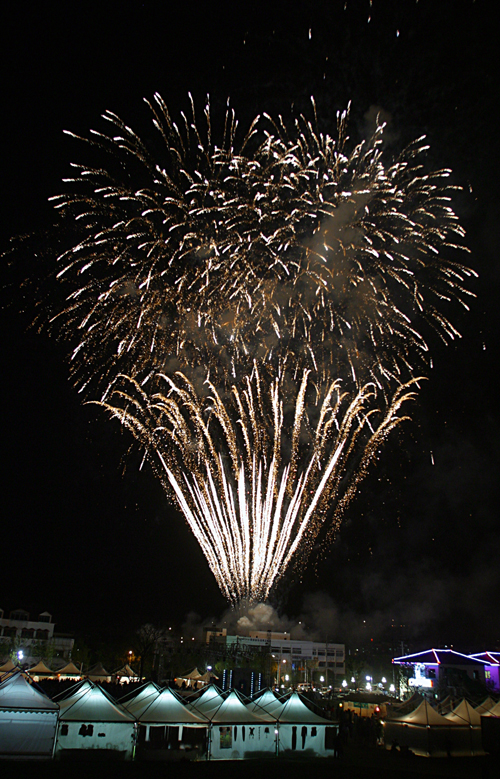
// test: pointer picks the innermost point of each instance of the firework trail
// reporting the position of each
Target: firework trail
(252, 314)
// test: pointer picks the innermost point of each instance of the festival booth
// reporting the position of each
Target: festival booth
(468, 720)
(192, 680)
(367, 704)
(169, 730)
(494, 711)
(125, 675)
(447, 705)
(486, 706)
(398, 708)
(266, 704)
(137, 701)
(208, 678)
(6, 669)
(425, 732)
(40, 671)
(90, 720)
(208, 702)
(99, 674)
(80, 688)
(490, 727)
(236, 732)
(69, 672)
(28, 720)
(302, 733)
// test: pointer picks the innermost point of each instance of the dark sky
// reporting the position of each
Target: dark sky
(99, 546)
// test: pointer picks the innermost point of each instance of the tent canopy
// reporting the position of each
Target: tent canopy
(464, 714)
(98, 672)
(295, 711)
(486, 706)
(69, 669)
(494, 711)
(424, 714)
(208, 702)
(233, 711)
(194, 674)
(166, 707)
(127, 671)
(16, 694)
(40, 668)
(91, 704)
(267, 704)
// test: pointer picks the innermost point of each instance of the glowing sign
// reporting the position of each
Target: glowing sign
(421, 682)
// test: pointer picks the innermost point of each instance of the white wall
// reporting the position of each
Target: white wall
(118, 736)
(27, 733)
(233, 742)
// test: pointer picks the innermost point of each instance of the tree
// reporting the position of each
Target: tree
(354, 666)
(146, 643)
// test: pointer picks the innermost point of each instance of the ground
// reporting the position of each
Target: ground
(357, 763)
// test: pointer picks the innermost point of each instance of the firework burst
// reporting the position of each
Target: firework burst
(252, 313)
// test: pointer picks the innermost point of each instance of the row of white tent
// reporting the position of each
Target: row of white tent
(427, 732)
(70, 672)
(157, 724)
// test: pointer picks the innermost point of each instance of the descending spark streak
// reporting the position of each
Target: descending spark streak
(252, 314)
(251, 520)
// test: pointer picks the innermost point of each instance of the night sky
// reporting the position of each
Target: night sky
(94, 541)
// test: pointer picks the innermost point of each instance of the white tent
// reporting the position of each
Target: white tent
(28, 720)
(237, 732)
(80, 688)
(468, 719)
(137, 703)
(303, 732)
(464, 714)
(267, 704)
(190, 679)
(485, 706)
(208, 702)
(207, 677)
(99, 674)
(447, 705)
(41, 671)
(7, 668)
(494, 711)
(68, 672)
(90, 720)
(424, 732)
(168, 729)
(126, 674)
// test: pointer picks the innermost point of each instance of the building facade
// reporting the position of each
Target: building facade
(442, 671)
(293, 661)
(32, 639)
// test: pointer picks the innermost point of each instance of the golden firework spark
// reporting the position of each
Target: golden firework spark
(253, 313)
